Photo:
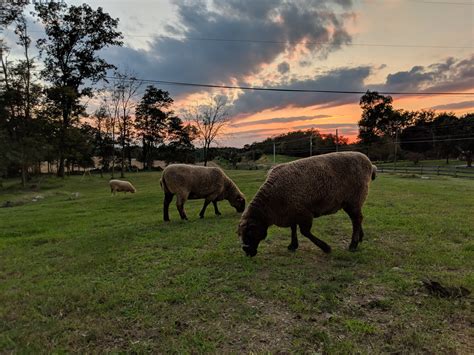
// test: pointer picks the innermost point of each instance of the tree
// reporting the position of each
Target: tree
(75, 36)
(380, 120)
(179, 138)
(376, 108)
(466, 145)
(125, 88)
(416, 139)
(444, 128)
(210, 121)
(151, 116)
(103, 142)
(20, 97)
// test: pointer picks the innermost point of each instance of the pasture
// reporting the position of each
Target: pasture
(81, 271)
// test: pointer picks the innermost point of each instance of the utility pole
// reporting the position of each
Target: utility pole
(274, 151)
(311, 145)
(396, 144)
(337, 141)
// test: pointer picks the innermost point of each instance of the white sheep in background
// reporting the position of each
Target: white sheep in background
(121, 186)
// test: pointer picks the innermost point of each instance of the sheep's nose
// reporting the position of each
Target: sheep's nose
(249, 251)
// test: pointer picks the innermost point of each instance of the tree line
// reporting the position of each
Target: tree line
(386, 133)
(43, 100)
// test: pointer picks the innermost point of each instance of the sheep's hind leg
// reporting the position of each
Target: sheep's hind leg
(206, 203)
(305, 229)
(294, 239)
(180, 205)
(216, 210)
(357, 231)
(166, 206)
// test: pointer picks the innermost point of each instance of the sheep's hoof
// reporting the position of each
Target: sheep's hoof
(166, 220)
(327, 249)
(218, 213)
(292, 247)
(201, 216)
(353, 247)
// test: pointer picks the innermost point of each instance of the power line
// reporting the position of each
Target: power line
(441, 2)
(264, 41)
(257, 88)
(321, 43)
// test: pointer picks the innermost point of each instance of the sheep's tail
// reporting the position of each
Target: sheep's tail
(163, 184)
(374, 172)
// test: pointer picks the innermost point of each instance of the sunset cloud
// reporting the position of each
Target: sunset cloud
(278, 120)
(286, 25)
(455, 106)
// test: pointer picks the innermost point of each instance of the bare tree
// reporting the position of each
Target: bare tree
(210, 121)
(119, 100)
(127, 88)
(111, 103)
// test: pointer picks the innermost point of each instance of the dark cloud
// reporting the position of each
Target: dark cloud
(283, 68)
(281, 21)
(455, 106)
(351, 79)
(450, 75)
(278, 120)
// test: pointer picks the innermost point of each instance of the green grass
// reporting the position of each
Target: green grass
(88, 272)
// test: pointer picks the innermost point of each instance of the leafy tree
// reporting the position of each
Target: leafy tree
(179, 138)
(103, 140)
(466, 144)
(151, 116)
(417, 139)
(379, 118)
(75, 36)
(444, 128)
(19, 99)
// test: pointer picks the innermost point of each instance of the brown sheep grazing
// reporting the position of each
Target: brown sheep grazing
(121, 186)
(190, 182)
(296, 192)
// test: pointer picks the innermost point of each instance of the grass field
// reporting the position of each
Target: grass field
(82, 271)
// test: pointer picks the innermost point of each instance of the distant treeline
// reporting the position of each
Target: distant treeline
(385, 133)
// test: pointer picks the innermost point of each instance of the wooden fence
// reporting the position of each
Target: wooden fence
(460, 172)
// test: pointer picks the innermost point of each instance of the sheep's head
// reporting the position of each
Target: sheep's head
(251, 233)
(237, 200)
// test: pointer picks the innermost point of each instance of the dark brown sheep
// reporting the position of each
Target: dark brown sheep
(198, 182)
(295, 193)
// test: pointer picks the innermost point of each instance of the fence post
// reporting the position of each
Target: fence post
(421, 170)
(437, 171)
(455, 171)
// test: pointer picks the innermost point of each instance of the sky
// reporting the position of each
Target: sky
(349, 45)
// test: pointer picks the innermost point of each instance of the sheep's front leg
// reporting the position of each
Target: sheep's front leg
(180, 200)
(294, 239)
(166, 206)
(305, 229)
(216, 210)
(206, 203)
